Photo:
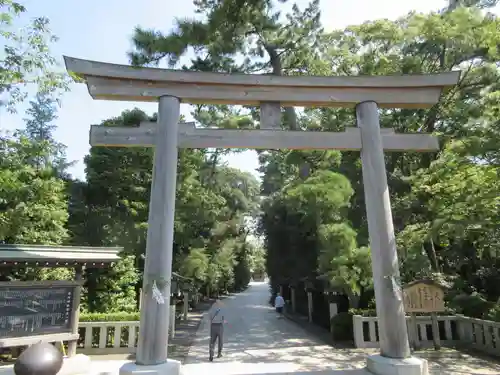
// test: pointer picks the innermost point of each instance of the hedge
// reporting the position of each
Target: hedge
(110, 317)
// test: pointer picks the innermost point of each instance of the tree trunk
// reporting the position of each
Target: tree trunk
(290, 114)
(275, 60)
(430, 250)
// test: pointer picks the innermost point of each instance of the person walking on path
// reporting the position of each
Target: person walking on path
(279, 303)
(216, 330)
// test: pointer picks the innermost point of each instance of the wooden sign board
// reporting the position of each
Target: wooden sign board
(423, 297)
(36, 308)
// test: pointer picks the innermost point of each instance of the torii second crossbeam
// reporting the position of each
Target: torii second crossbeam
(191, 137)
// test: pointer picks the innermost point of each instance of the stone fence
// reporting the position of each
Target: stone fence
(458, 330)
(112, 337)
(454, 331)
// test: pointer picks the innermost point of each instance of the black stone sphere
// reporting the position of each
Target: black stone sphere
(39, 359)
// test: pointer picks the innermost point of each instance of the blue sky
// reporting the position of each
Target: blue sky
(101, 30)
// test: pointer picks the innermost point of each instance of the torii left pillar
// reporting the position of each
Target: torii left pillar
(153, 337)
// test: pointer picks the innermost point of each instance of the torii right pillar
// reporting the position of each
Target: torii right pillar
(393, 335)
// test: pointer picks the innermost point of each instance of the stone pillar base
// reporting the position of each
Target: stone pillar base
(379, 365)
(171, 367)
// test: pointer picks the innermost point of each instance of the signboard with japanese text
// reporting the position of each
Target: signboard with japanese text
(35, 308)
(423, 297)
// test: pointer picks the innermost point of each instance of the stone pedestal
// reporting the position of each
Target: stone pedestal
(379, 365)
(171, 367)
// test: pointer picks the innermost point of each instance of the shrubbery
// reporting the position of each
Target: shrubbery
(475, 306)
(111, 317)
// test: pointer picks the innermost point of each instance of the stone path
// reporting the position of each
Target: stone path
(257, 342)
(185, 332)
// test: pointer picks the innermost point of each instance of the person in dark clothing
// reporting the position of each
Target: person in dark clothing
(216, 331)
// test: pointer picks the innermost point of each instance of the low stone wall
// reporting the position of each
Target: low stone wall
(112, 337)
(457, 330)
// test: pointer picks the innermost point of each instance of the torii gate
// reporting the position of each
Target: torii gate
(171, 87)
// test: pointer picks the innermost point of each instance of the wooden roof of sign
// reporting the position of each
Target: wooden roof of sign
(58, 256)
(426, 282)
(107, 81)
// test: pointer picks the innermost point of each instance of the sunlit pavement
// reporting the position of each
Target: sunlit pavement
(257, 342)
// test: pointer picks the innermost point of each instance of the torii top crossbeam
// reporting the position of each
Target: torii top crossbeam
(122, 82)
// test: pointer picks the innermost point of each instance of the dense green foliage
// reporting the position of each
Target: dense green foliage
(26, 58)
(41, 204)
(310, 204)
(445, 205)
(110, 317)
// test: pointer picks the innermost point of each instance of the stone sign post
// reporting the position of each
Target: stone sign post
(170, 87)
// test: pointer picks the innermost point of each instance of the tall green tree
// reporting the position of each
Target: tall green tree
(26, 60)
(40, 128)
(211, 203)
(33, 204)
(464, 38)
(252, 36)
(267, 42)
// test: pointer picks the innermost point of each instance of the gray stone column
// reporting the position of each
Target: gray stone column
(186, 305)
(310, 306)
(153, 334)
(388, 295)
(75, 314)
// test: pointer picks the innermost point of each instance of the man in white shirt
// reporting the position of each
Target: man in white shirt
(216, 330)
(279, 303)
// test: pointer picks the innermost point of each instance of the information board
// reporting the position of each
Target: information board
(35, 308)
(423, 297)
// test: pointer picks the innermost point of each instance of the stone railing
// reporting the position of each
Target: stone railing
(108, 337)
(456, 330)
(112, 337)
(479, 334)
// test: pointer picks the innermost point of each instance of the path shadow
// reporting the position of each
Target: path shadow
(459, 363)
(321, 372)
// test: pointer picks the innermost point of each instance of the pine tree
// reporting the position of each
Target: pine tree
(39, 130)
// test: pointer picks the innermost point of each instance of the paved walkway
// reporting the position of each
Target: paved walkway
(257, 342)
